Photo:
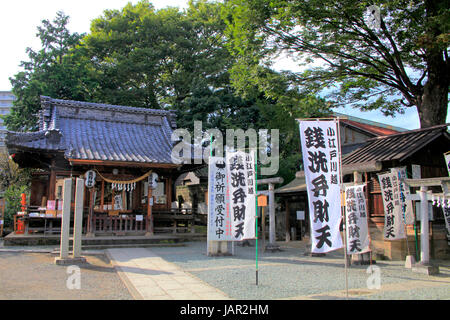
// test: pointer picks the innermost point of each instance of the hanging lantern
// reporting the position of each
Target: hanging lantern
(90, 178)
(152, 180)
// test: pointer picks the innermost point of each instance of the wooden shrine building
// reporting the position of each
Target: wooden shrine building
(122, 146)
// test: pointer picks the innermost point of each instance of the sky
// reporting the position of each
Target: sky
(19, 20)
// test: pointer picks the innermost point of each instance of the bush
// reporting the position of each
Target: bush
(13, 196)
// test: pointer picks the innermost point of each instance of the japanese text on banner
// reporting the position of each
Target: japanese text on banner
(320, 141)
(406, 205)
(394, 226)
(358, 240)
(219, 221)
(242, 193)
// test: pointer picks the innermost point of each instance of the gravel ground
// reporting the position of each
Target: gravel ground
(29, 276)
(291, 274)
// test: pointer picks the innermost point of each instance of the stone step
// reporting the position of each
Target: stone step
(122, 246)
(133, 241)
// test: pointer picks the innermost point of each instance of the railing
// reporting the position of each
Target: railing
(173, 220)
(118, 224)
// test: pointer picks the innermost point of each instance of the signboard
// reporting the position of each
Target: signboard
(262, 201)
(90, 178)
(139, 217)
(240, 168)
(319, 142)
(406, 205)
(118, 202)
(357, 232)
(300, 215)
(394, 226)
(51, 205)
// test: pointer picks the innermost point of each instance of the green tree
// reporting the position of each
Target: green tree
(13, 181)
(400, 63)
(51, 71)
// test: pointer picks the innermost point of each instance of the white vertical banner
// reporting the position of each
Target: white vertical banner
(447, 161)
(319, 142)
(446, 211)
(403, 193)
(394, 226)
(219, 219)
(242, 196)
(357, 233)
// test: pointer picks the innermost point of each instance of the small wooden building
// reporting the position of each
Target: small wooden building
(422, 147)
(121, 145)
(355, 132)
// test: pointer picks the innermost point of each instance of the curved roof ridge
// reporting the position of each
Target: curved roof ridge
(410, 132)
(104, 106)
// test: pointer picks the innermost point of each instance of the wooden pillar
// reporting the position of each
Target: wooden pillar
(271, 215)
(263, 225)
(102, 196)
(52, 182)
(288, 226)
(90, 226)
(169, 193)
(2, 219)
(149, 226)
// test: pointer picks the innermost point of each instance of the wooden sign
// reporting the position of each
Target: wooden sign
(262, 201)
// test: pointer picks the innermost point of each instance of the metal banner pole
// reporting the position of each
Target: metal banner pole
(256, 213)
(343, 206)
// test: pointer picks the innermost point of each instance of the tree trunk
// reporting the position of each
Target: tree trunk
(433, 101)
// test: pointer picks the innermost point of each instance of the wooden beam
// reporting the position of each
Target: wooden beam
(428, 182)
(270, 180)
(123, 163)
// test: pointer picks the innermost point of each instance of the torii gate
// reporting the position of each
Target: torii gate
(424, 196)
(272, 245)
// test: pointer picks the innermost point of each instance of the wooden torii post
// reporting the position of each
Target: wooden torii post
(272, 245)
(424, 196)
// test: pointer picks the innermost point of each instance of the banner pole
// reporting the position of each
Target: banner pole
(343, 206)
(208, 244)
(256, 213)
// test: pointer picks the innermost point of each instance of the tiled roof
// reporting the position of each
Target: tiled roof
(396, 146)
(372, 127)
(92, 131)
(375, 130)
(296, 185)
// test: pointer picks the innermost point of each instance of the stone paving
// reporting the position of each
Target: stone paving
(150, 277)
